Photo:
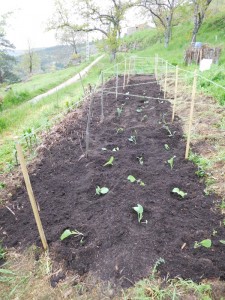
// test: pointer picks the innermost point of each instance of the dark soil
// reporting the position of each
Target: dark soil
(115, 245)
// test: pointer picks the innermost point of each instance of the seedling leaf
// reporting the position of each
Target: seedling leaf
(171, 162)
(222, 242)
(139, 210)
(68, 233)
(131, 178)
(104, 149)
(104, 190)
(179, 192)
(206, 243)
(109, 162)
(139, 110)
(101, 191)
(167, 147)
(115, 149)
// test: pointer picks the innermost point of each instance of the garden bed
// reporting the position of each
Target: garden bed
(114, 244)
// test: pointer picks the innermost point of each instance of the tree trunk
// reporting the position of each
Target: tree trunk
(197, 23)
(113, 55)
(168, 30)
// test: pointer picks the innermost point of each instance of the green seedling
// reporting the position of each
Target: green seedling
(179, 192)
(132, 139)
(139, 210)
(171, 162)
(115, 149)
(68, 233)
(222, 242)
(140, 159)
(146, 102)
(139, 110)
(144, 118)
(140, 182)
(104, 149)
(167, 147)
(101, 191)
(170, 133)
(109, 162)
(201, 172)
(119, 130)
(204, 243)
(131, 178)
(119, 111)
(214, 233)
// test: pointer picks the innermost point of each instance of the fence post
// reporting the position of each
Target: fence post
(156, 67)
(191, 114)
(175, 94)
(165, 83)
(124, 77)
(117, 79)
(128, 75)
(31, 195)
(102, 98)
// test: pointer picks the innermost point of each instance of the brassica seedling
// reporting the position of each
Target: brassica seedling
(222, 242)
(131, 178)
(139, 110)
(139, 210)
(166, 146)
(169, 131)
(140, 182)
(171, 162)
(109, 162)
(204, 243)
(115, 149)
(104, 149)
(179, 192)
(145, 117)
(68, 233)
(132, 139)
(119, 111)
(119, 130)
(101, 191)
(140, 159)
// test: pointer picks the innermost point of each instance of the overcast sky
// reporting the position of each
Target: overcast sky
(29, 19)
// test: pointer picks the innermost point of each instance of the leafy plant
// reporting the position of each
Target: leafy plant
(68, 233)
(204, 243)
(2, 185)
(156, 265)
(139, 210)
(171, 162)
(179, 192)
(201, 172)
(119, 111)
(109, 162)
(131, 178)
(140, 159)
(101, 191)
(167, 147)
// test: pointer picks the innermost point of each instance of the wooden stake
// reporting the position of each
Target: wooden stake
(31, 196)
(156, 67)
(134, 65)
(124, 77)
(88, 124)
(128, 75)
(175, 94)
(117, 79)
(165, 84)
(191, 114)
(82, 83)
(102, 98)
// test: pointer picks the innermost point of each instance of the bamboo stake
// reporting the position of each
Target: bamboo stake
(128, 75)
(156, 67)
(124, 77)
(191, 114)
(88, 124)
(102, 98)
(82, 83)
(165, 83)
(117, 79)
(31, 196)
(175, 94)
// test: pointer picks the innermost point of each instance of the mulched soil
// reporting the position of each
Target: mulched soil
(115, 245)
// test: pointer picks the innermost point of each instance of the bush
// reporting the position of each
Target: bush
(3, 124)
(15, 98)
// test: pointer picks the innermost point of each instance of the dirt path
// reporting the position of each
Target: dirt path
(66, 83)
(115, 245)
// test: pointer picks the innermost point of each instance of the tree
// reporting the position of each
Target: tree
(200, 7)
(105, 19)
(30, 60)
(162, 12)
(6, 60)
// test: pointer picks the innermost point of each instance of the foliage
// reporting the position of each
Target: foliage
(131, 178)
(171, 162)
(2, 252)
(204, 243)
(101, 190)
(179, 192)
(119, 111)
(109, 162)
(67, 233)
(139, 210)
(166, 146)
(140, 159)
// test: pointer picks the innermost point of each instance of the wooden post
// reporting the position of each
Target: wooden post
(156, 67)
(117, 79)
(134, 65)
(128, 74)
(102, 98)
(82, 83)
(191, 114)
(31, 195)
(125, 71)
(88, 124)
(175, 94)
(165, 83)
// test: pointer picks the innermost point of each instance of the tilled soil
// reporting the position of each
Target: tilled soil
(115, 245)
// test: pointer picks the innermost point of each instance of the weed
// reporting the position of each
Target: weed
(179, 192)
(204, 243)
(2, 252)
(139, 210)
(2, 185)
(201, 172)
(68, 233)
(156, 265)
(140, 159)
(171, 162)
(101, 191)
(166, 146)
(133, 138)
(109, 162)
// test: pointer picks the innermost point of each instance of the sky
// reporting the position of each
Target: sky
(28, 22)
(29, 19)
